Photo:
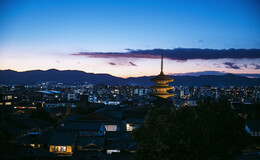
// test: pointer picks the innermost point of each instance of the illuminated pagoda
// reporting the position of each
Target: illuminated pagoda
(162, 87)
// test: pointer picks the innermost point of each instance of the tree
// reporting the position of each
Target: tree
(207, 131)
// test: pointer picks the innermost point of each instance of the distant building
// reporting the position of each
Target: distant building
(181, 93)
(92, 98)
(6, 99)
(50, 95)
(54, 104)
(73, 97)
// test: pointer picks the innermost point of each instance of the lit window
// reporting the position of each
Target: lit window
(112, 151)
(111, 127)
(129, 127)
(60, 149)
(8, 103)
(8, 98)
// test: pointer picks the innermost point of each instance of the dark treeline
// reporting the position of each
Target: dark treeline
(207, 131)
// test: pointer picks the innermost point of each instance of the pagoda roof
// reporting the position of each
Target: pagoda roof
(162, 93)
(163, 87)
(161, 77)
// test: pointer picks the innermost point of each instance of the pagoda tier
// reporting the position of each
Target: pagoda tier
(162, 87)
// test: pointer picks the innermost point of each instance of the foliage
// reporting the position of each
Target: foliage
(207, 131)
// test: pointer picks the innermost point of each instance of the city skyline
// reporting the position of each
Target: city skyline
(71, 35)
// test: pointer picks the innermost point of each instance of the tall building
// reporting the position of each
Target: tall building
(162, 87)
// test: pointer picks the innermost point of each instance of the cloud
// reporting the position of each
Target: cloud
(131, 63)
(115, 55)
(231, 65)
(256, 66)
(180, 54)
(122, 64)
(217, 65)
(112, 63)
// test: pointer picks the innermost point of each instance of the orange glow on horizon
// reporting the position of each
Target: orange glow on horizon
(122, 67)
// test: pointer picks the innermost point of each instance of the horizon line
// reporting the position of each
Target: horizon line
(171, 74)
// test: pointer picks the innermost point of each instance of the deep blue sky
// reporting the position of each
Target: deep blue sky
(60, 27)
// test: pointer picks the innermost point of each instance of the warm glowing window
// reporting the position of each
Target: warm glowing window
(8, 97)
(60, 148)
(8, 103)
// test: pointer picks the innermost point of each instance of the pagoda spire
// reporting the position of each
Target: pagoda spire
(162, 63)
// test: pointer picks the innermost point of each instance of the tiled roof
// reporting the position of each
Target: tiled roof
(85, 141)
(63, 138)
(82, 126)
(253, 125)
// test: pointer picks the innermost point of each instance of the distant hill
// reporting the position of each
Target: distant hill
(199, 73)
(215, 73)
(67, 76)
(72, 76)
(212, 80)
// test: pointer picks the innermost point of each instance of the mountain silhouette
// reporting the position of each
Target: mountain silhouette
(67, 76)
(214, 73)
(74, 76)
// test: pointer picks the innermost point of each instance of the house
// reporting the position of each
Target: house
(35, 140)
(85, 128)
(253, 127)
(90, 155)
(119, 142)
(62, 142)
(13, 150)
(110, 125)
(115, 142)
(34, 126)
(19, 114)
(30, 125)
(6, 99)
(90, 143)
(123, 117)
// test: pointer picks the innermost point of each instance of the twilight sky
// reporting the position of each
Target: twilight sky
(95, 35)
